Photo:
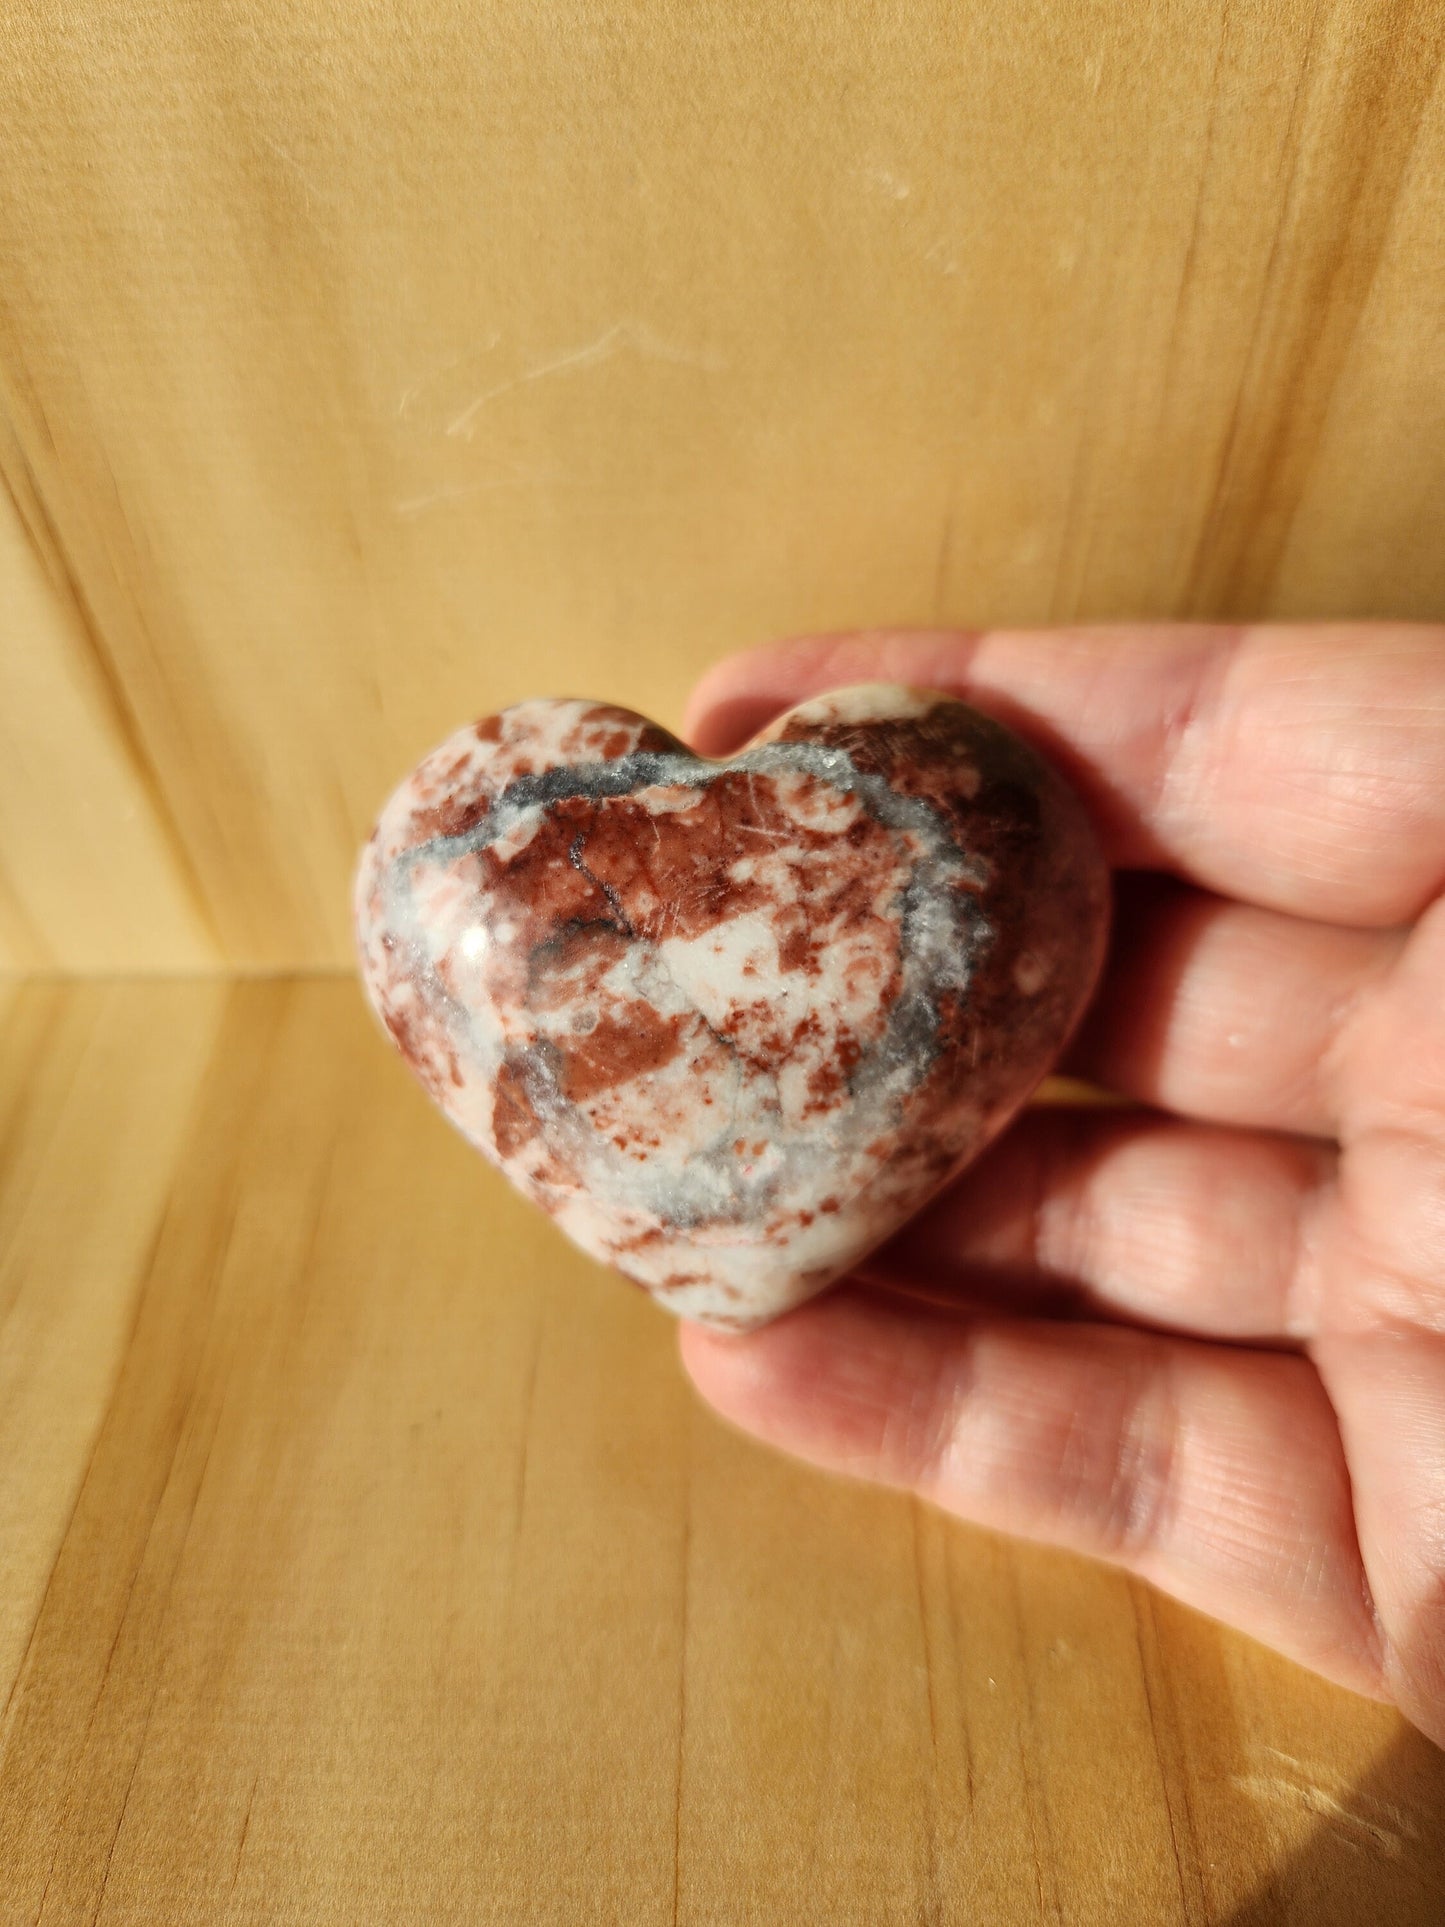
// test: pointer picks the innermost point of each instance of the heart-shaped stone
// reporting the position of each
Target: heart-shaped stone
(732, 1023)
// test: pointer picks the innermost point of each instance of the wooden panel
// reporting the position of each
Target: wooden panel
(404, 1580)
(374, 365)
(90, 875)
(82, 1195)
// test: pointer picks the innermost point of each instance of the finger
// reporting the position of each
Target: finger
(1381, 1349)
(1392, 1068)
(1298, 767)
(1218, 1475)
(1223, 1011)
(1388, 1388)
(1179, 1225)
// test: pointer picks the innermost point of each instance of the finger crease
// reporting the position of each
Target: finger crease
(1300, 1287)
(1142, 1500)
(1199, 711)
(1342, 1027)
(932, 1419)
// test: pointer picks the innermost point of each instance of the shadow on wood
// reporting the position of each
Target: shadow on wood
(1370, 1861)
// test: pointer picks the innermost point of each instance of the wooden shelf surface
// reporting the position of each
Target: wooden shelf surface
(366, 1558)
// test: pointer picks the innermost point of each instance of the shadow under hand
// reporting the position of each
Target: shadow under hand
(1376, 1857)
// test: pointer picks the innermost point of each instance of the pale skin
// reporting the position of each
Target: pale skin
(1202, 1336)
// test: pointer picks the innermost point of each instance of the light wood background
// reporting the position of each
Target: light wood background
(365, 365)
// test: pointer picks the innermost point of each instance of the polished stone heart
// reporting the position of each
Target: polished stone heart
(732, 1023)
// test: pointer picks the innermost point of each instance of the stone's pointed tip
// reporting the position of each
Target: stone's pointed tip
(732, 1022)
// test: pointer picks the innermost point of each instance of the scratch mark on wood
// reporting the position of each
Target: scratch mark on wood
(1384, 1830)
(887, 182)
(1275, 1790)
(410, 505)
(410, 393)
(623, 337)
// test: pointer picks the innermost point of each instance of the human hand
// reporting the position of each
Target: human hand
(1203, 1339)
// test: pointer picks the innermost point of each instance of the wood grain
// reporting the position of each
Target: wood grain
(82, 1191)
(362, 368)
(369, 1564)
(89, 873)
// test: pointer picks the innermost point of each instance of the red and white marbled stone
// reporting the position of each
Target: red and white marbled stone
(732, 1023)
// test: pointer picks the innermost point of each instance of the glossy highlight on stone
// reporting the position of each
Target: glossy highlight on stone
(732, 1023)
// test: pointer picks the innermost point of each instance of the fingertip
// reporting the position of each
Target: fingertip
(741, 1374)
(704, 714)
(849, 1381)
(757, 1378)
(717, 721)
(705, 1351)
(733, 699)
(737, 696)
